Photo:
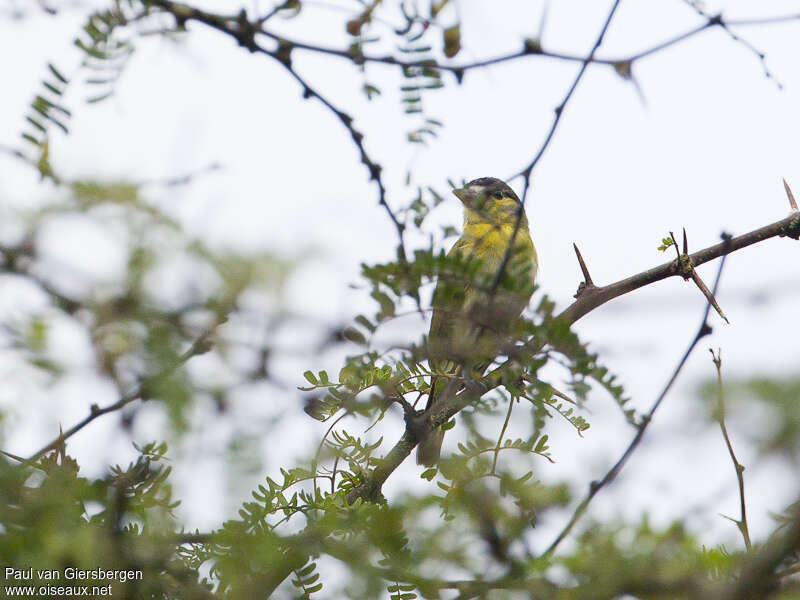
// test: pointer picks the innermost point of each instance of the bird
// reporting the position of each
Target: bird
(494, 266)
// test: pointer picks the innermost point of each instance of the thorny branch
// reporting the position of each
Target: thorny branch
(596, 486)
(530, 47)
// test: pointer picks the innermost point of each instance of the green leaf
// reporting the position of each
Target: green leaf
(354, 335)
(429, 474)
(99, 98)
(36, 124)
(666, 243)
(362, 320)
(57, 74)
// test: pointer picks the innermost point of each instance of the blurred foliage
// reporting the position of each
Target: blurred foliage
(469, 530)
(773, 401)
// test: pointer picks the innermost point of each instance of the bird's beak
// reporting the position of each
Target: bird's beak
(465, 195)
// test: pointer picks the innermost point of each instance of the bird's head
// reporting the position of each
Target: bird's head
(489, 199)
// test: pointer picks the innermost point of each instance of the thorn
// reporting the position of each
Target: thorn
(685, 242)
(61, 448)
(792, 201)
(709, 296)
(563, 396)
(587, 278)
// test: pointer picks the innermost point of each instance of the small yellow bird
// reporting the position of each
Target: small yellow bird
(473, 315)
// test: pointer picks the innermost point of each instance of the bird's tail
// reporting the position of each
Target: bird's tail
(430, 447)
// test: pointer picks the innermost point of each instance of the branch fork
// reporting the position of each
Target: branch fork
(685, 268)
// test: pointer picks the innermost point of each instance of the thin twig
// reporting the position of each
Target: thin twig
(667, 43)
(322, 445)
(526, 172)
(717, 20)
(738, 467)
(184, 179)
(200, 346)
(502, 433)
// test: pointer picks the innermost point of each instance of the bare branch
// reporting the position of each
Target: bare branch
(717, 20)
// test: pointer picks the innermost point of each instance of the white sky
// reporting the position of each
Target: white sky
(706, 151)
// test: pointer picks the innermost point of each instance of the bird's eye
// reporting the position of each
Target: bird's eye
(498, 195)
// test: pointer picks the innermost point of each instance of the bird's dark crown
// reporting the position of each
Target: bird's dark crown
(493, 185)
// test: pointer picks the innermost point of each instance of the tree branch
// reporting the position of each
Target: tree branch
(591, 299)
(530, 47)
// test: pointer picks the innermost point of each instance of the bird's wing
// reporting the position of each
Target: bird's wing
(450, 297)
